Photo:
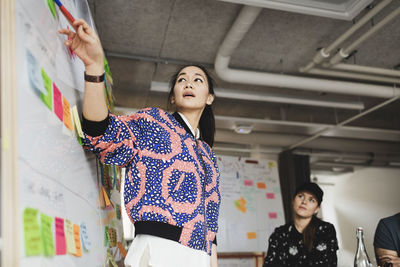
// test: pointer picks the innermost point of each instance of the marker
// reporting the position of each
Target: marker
(68, 15)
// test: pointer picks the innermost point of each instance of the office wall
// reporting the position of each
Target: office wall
(359, 199)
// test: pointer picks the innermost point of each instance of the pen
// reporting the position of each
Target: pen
(65, 11)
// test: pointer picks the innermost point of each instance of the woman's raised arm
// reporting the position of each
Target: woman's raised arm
(86, 45)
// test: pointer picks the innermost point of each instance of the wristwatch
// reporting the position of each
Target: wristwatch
(94, 79)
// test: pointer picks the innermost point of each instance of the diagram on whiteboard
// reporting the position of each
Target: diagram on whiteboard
(251, 205)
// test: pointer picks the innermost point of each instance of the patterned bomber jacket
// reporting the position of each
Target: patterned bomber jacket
(172, 179)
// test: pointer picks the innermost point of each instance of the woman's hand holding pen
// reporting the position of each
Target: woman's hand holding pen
(86, 45)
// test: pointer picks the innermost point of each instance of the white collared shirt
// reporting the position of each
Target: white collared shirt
(196, 133)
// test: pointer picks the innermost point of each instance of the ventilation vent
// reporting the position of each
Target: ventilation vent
(337, 9)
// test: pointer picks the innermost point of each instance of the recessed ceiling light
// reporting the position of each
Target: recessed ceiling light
(243, 129)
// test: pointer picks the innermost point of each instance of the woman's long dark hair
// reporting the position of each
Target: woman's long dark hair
(309, 232)
(207, 120)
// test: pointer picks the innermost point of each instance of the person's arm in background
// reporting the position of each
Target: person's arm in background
(385, 255)
(214, 262)
(86, 45)
(384, 243)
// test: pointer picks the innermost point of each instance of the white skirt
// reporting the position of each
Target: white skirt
(153, 251)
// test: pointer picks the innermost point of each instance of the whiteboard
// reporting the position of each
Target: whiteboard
(251, 204)
(56, 177)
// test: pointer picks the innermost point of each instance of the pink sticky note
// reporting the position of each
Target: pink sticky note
(272, 215)
(248, 182)
(57, 101)
(270, 196)
(61, 248)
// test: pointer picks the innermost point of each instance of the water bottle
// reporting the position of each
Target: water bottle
(361, 259)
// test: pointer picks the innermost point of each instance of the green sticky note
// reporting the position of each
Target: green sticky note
(106, 237)
(33, 240)
(52, 7)
(48, 97)
(47, 234)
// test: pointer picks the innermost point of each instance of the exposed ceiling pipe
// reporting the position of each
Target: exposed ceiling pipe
(367, 69)
(273, 98)
(321, 132)
(324, 53)
(324, 143)
(358, 76)
(241, 25)
(343, 53)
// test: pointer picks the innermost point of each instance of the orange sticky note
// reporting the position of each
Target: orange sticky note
(251, 235)
(121, 249)
(106, 199)
(77, 238)
(261, 185)
(67, 113)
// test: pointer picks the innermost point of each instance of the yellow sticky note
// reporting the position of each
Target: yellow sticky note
(67, 114)
(69, 236)
(77, 238)
(33, 238)
(112, 235)
(77, 121)
(251, 235)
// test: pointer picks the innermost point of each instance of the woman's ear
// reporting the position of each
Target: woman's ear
(210, 99)
(316, 210)
(172, 99)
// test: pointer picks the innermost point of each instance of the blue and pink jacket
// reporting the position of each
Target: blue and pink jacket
(172, 179)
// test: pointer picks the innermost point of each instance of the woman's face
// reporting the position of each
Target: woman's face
(305, 204)
(191, 90)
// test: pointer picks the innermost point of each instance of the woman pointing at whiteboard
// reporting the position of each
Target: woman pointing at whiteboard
(172, 183)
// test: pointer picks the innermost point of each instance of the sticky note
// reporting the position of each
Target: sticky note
(270, 196)
(69, 236)
(251, 235)
(106, 238)
(47, 234)
(51, 5)
(57, 102)
(47, 97)
(107, 203)
(111, 259)
(77, 238)
(248, 182)
(121, 249)
(112, 236)
(77, 121)
(261, 185)
(118, 211)
(61, 248)
(85, 237)
(272, 215)
(110, 215)
(33, 238)
(67, 114)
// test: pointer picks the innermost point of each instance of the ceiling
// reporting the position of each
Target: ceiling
(146, 40)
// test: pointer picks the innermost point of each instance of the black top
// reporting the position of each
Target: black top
(387, 234)
(286, 247)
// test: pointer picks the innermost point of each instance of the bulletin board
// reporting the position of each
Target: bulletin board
(251, 204)
(66, 204)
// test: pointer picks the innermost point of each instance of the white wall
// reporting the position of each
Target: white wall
(359, 199)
